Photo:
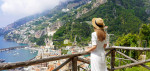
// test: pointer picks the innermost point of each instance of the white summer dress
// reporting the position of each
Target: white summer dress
(98, 62)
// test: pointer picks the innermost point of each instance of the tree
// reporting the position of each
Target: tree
(127, 40)
(145, 33)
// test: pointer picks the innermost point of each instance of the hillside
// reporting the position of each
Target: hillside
(18, 23)
(70, 20)
(68, 28)
(70, 4)
(37, 29)
(121, 16)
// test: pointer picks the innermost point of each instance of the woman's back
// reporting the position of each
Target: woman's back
(100, 44)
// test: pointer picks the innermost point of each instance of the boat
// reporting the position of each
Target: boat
(26, 47)
(30, 51)
(17, 53)
(2, 60)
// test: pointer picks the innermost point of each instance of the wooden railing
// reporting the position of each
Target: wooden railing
(75, 57)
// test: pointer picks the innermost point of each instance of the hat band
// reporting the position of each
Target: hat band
(98, 25)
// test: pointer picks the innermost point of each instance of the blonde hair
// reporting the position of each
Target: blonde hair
(101, 34)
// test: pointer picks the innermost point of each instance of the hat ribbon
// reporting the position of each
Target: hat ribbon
(98, 25)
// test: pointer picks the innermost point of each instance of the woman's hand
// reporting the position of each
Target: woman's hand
(88, 50)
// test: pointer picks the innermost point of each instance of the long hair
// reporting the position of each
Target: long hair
(101, 34)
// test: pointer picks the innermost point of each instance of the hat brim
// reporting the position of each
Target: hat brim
(94, 24)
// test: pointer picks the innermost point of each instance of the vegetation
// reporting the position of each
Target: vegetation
(16, 36)
(136, 39)
(41, 27)
(145, 34)
(125, 20)
(64, 51)
(121, 17)
(127, 40)
(39, 41)
(74, 31)
(137, 68)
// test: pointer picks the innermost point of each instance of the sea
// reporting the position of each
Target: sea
(17, 55)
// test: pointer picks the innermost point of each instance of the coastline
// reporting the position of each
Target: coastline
(13, 41)
(15, 54)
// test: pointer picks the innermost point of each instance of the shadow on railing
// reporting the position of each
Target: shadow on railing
(75, 57)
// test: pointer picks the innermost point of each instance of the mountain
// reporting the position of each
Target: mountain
(35, 29)
(70, 20)
(121, 17)
(70, 4)
(120, 14)
(20, 22)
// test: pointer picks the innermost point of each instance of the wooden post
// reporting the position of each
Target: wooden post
(119, 59)
(78, 68)
(74, 63)
(112, 59)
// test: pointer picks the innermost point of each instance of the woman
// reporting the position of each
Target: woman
(98, 62)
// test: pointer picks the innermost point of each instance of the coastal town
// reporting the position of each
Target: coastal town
(46, 51)
(49, 50)
(60, 37)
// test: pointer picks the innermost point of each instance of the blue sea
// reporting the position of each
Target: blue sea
(15, 55)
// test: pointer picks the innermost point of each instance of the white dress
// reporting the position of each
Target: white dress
(98, 62)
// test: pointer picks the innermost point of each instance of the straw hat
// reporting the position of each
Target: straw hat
(98, 23)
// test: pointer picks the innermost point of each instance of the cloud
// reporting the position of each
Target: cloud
(12, 10)
(27, 7)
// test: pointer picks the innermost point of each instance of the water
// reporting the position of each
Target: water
(15, 55)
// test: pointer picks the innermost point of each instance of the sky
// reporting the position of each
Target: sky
(12, 10)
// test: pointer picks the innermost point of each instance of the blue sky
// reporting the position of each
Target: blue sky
(1, 20)
(5, 19)
(12, 10)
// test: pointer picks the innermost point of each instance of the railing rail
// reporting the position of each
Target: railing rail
(130, 48)
(74, 58)
(38, 61)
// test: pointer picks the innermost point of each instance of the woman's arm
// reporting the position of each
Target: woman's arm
(91, 49)
(94, 47)
(94, 42)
